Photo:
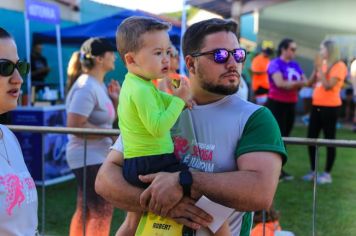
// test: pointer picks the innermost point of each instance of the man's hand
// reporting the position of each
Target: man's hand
(186, 213)
(163, 193)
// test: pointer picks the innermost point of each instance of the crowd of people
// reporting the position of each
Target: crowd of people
(182, 138)
(321, 94)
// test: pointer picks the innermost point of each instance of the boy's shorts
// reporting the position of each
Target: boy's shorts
(133, 167)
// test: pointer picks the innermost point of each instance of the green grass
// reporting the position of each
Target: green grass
(60, 206)
(336, 203)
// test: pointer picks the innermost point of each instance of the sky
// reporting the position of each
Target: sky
(153, 6)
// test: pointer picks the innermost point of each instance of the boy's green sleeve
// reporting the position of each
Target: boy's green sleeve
(156, 121)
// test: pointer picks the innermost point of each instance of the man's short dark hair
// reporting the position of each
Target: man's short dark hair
(4, 33)
(194, 36)
(129, 32)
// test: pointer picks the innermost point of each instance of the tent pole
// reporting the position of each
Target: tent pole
(60, 64)
(236, 10)
(28, 58)
(183, 27)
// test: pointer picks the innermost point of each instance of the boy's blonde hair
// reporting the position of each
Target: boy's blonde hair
(128, 34)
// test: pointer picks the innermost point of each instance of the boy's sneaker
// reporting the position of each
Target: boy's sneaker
(324, 178)
(285, 176)
(309, 177)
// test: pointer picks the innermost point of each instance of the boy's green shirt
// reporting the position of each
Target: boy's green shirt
(146, 116)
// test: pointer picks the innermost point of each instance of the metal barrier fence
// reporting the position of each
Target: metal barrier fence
(107, 132)
(63, 130)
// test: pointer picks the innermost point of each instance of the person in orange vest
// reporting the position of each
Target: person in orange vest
(259, 66)
(326, 102)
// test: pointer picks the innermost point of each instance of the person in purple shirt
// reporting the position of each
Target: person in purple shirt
(286, 78)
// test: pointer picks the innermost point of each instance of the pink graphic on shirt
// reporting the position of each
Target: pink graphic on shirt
(14, 187)
(204, 153)
(181, 146)
(30, 183)
(110, 109)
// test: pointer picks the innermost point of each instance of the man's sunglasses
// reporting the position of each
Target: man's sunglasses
(7, 67)
(222, 55)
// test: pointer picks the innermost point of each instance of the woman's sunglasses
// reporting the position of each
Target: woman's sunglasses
(222, 55)
(7, 67)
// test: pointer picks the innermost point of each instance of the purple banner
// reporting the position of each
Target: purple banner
(42, 11)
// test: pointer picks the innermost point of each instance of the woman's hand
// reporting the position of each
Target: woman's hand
(114, 91)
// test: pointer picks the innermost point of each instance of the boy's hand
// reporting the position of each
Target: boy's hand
(190, 103)
(183, 92)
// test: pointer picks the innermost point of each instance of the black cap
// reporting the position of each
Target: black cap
(97, 46)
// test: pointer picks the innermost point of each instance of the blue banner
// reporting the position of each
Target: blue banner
(42, 11)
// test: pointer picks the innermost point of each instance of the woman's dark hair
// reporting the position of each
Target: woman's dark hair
(284, 44)
(194, 36)
(4, 33)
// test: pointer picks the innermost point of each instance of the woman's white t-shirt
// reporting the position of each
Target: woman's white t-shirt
(18, 195)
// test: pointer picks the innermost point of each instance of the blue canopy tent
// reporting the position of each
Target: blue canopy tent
(74, 36)
(105, 27)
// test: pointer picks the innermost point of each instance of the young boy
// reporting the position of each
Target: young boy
(146, 114)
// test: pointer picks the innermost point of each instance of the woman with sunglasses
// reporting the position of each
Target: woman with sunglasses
(18, 195)
(286, 78)
(326, 102)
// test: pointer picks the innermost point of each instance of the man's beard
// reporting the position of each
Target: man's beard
(217, 89)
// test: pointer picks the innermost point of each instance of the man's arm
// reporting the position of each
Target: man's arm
(112, 186)
(250, 188)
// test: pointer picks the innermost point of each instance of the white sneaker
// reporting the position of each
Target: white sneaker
(309, 177)
(324, 178)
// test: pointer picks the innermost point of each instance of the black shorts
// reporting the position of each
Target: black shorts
(261, 91)
(94, 201)
(133, 167)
